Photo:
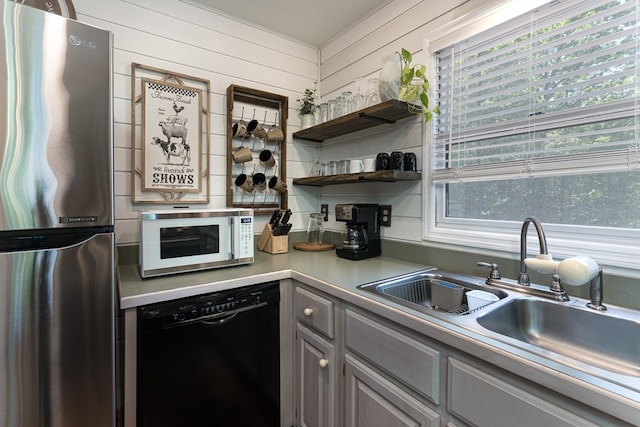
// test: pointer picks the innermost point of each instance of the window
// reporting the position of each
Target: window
(539, 117)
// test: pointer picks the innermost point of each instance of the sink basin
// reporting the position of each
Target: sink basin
(597, 338)
(414, 290)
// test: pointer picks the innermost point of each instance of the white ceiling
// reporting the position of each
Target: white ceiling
(313, 21)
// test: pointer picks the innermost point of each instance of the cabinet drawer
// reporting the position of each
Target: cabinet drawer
(482, 399)
(403, 357)
(315, 311)
(372, 400)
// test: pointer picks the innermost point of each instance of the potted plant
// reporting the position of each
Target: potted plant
(414, 87)
(307, 107)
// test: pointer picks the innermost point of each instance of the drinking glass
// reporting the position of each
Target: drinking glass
(348, 102)
(316, 114)
(315, 229)
(339, 106)
(316, 167)
(332, 109)
(373, 95)
(334, 165)
(324, 111)
(344, 166)
(358, 100)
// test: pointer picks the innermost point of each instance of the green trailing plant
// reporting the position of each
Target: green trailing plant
(308, 101)
(414, 87)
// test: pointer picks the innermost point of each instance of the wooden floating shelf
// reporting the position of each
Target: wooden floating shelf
(350, 178)
(384, 113)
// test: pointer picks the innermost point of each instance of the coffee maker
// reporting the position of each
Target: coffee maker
(362, 238)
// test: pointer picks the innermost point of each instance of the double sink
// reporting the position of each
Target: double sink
(566, 332)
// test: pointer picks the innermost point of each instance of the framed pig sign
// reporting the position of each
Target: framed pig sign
(170, 162)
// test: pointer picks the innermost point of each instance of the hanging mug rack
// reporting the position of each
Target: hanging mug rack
(257, 149)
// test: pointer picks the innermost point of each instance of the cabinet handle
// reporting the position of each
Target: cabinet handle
(324, 363)
(308, 312)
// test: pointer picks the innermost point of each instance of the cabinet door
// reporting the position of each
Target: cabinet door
(482, 399)
(372, 400)
(315, 379)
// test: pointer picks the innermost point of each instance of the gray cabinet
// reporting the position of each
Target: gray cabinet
(315, 360)
(355, 368)
(372, 400)
(315, 380)
(405, 358)
(390, 375)
(481, 398)
(316, 311)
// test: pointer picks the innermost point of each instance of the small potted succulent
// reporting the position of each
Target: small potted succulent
(414, 87)
(307, 108)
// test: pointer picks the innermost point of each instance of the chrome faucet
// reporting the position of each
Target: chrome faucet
(543, 260)
(523, 278)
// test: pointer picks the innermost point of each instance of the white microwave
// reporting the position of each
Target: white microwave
(181, 240)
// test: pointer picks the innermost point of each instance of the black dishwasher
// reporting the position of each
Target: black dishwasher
(211, 360)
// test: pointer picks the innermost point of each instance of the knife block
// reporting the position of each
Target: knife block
(272, 244)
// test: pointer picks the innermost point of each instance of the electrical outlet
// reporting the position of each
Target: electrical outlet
(385, 215)
(324, 210)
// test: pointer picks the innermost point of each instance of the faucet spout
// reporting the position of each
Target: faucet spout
(523, 277)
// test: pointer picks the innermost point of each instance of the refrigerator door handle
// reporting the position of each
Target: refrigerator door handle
(12, 241)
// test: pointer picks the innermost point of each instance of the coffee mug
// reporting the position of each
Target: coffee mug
(266, 157)
(256, 129)
(245, 182)
(410, 162)
(240, 129)
(277, 184)
(356, 166)
(397, 161)
(259, 181)
(369, 165)
(382, 161)
(275, 134)
(241, 155)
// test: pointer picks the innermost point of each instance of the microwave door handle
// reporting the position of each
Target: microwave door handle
(233, 238)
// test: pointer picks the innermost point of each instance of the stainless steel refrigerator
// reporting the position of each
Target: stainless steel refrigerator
(56, 221)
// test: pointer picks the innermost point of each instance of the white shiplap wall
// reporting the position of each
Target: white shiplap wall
(359, 52)
(177, 36)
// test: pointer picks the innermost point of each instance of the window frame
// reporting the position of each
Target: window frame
(612, 247)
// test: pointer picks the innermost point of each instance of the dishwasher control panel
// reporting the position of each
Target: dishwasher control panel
(209, 307)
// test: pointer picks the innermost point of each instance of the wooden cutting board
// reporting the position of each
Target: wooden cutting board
(313, 247)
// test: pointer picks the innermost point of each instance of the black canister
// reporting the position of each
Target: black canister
(382, 162)
(410, 162)
(397, 160)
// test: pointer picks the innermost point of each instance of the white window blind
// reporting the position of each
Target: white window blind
(548, 94)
